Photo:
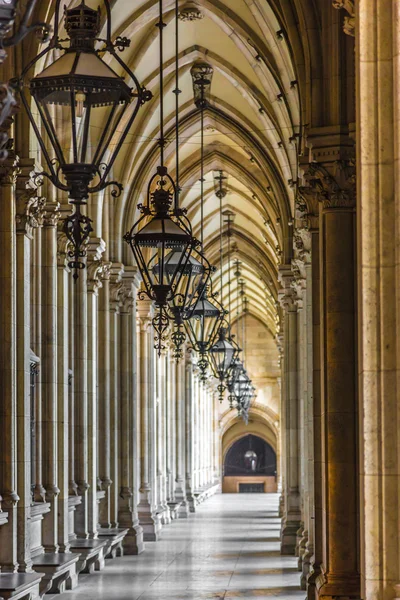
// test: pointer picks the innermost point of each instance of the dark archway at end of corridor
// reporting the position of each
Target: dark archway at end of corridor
(250, 465)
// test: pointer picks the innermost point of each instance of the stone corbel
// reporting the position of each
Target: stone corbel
(349, 25)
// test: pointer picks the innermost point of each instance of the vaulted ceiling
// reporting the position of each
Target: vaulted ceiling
(253, 128)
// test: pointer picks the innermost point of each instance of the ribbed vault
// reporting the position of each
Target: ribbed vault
(263, 62)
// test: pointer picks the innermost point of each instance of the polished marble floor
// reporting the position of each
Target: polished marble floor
(228, 549)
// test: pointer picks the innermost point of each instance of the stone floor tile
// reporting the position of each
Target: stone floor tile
(228, 549)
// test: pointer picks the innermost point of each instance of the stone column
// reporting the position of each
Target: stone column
(129, 414)
(292, 516)
(80, 392)
(116, 285)
(336, 191)
(147, 519)
(63, 390)
(104, 399)
(49, 374)
(189, 422)
(378, 212)
(8, 397)
(301, 284)
(28, 217)
(180, 452)
(96, 268)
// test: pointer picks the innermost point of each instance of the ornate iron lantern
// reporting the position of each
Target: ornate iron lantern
(88, 92)
(163, 246)
(202, 324)
(222, 354)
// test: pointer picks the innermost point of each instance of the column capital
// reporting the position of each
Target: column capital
(336, 187)
(97, 268)
(51, 214)
(287, 294)
(349, 23)
(9, 171)
(30, 205)
(29, 213)
(62, 250)
(128, 290)
(144, 311)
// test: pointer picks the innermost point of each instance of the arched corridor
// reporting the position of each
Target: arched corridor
(228, 549)
(199, 299)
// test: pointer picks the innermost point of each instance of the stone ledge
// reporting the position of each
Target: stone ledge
(59, 572)
(20, 586)
(114, 538)
(91, 554)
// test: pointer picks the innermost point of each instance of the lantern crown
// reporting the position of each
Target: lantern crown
(82, 24)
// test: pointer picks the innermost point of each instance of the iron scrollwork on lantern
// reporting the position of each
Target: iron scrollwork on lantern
(87, 91)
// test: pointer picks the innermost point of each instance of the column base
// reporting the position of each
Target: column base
(299, 535)
(148, 522)
(183, 511)
(166, 514)
(133, 541)
(289, 537)
(313, 575)
(301, 548)
(306, 565)
(331, 586)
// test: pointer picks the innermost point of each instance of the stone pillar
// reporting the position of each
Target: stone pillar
(378, 212)
(129, 415)
(301, 284)
(189, 422)
(116, 285)
(104, 399)
(49, 374)
(291, 517)
(8, 397)
(96, 268)
(180, 452)
(63, 390)
(147, 519)
(336, 190)
(28, 217)
(80, 392)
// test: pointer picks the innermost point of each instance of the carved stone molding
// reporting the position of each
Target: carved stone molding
(97, 268)
(287, 295)
(62, 249)
(190, 12)
(349, 25)
(9, 171)
(335, 189)
(51, 214)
